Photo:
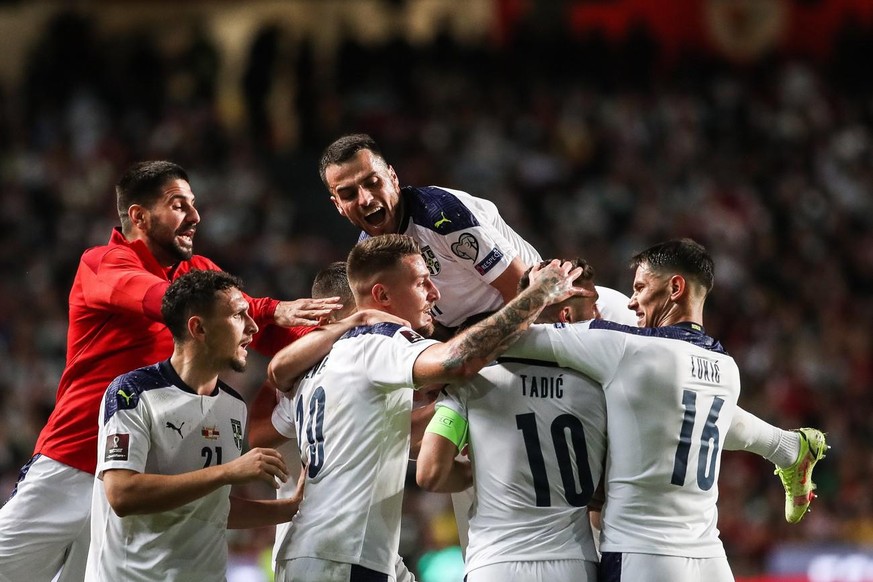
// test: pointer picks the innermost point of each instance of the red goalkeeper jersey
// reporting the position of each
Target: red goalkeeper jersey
(115, 327)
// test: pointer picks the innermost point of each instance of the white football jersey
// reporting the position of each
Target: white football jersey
(352, 417)
(612, 306)
(283, 421)
(537, 435)
(151, 422)
(466, 245)
(670, 393)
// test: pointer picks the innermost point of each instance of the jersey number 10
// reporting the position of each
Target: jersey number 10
(527, 424)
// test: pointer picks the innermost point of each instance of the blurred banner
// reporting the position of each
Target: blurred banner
(818, 563)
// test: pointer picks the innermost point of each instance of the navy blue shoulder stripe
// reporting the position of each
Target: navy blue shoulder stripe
(692, 334)
(125, 390)
(229, 390)
(527, 362)
(388, 329)
(435, 209)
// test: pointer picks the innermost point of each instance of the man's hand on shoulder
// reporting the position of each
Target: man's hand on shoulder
(306, 311)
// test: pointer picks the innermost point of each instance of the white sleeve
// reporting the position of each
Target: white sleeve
(283, 417)
(594, 352)
(124, 439)
(390, 358)
(481, 250)
(451, 399)
(612, 305)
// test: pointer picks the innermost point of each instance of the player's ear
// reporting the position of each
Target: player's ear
(137, 214)
(337, 205)
(380, 294)
(394, 179)
(678, 285)
(565, 315)
(195, 327)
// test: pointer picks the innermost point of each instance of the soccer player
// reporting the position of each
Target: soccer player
(473, 256)
(272, 423)
(537, 444)
(169, 447)
(671, 392)
(115, 326)
(353, 409)
(476, 260)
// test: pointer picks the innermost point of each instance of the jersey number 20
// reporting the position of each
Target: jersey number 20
(314, 431)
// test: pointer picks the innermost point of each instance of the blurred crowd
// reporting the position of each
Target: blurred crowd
(588, 148)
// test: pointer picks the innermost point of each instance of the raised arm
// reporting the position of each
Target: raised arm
(468, 352)
(507, 281)
(295, 359)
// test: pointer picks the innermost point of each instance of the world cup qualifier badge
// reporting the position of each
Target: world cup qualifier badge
(117, 447)
(236, 426)
(433, 264)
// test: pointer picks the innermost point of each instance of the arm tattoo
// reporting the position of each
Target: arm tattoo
(492, 336)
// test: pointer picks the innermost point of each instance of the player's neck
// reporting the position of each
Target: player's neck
(677, 313)
(198, 377)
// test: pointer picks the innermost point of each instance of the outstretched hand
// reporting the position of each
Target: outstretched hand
(555, 280)
(306, 311)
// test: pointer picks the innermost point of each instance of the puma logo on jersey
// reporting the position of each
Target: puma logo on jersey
(126, 397)
(442, 220)
(175, 428)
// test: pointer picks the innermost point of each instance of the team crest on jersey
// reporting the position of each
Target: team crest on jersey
(467, 247)
(117, 447)
(210, 432)
(411, 336)
(433, 264)
(236, 426)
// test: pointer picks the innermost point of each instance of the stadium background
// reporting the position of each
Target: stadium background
(598, 127)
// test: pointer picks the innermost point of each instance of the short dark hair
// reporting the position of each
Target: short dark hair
(333, 281)
(585, 277)
(376, 255)
(344, 149)
(683, 256)
(194, 293)
(141, 184)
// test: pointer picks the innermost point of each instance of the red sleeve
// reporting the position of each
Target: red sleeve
(273, 338)
(120, 282)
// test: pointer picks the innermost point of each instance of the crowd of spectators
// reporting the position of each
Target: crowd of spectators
(587, 148)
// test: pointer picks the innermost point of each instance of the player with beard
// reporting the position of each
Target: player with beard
(170, 439)
(476, 260)
(115, 325)
(353, 409)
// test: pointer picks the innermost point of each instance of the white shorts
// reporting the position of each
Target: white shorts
(627, 567)
(45, 525)
(545, 570)
(318, 570)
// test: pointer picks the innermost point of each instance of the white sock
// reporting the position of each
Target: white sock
(750, 433)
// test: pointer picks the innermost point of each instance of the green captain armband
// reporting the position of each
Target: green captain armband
(448, 423)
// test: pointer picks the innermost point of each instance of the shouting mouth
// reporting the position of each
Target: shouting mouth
(376, 217)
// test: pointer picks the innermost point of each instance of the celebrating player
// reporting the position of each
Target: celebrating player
(171, 438)
(537, 442)
(671, 392)
(352, 410)
(115, 326)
